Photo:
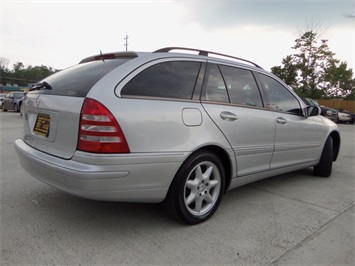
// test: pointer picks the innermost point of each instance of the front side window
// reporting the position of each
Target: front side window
(279, 97)
(18, 95)
(168, 80)
(241, 86)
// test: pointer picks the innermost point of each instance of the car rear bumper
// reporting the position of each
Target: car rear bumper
(129, 177)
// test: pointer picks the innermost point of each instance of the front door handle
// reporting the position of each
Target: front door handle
(281, 121)
(228, 116)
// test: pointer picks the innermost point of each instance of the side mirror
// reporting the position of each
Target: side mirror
(313, 111)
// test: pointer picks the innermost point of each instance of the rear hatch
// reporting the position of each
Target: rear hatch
(52, 107)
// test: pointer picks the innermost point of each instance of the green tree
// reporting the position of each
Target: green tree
(22, 75)
(4, 71)
(313, 71)
(287, 72)
(18, 67)
(339, 80)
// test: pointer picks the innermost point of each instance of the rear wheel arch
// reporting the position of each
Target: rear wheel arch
(225, 159)
(181, 199)
(222, 155)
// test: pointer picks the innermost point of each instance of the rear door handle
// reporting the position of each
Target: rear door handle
(281, 121)
(228, 116)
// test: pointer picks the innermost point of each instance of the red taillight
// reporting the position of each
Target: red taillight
(99, 131)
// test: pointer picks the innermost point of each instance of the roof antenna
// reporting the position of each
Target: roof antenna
(102, 57)
(126, 40)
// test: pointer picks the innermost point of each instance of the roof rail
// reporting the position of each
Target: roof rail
(205, 53)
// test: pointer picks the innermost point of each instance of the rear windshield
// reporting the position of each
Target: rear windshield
(77, 80)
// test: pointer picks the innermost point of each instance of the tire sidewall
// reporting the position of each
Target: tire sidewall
(324, 167)
(180, 181)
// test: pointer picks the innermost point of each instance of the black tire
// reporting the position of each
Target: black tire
(324, 167)
(197, 188)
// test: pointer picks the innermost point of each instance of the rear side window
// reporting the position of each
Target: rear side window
(168, 80)
(241, 86)
(78, 80)
(215, 87)
(231, 85)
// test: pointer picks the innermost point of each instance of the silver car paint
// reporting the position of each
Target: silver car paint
(296, 140)
(64, 123)
(179, 135)
(179, 128)
(251, 135)
(132, 177)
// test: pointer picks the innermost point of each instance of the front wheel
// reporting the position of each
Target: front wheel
(197, 188)
(324, 167)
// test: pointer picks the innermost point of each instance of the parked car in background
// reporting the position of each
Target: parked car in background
(345, 116)
(13, 101)
(2, 95)
(330, 113)
(171, 127)
(310, 102)
(352, 115)
(327, 112)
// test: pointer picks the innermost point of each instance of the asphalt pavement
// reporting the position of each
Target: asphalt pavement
(292, 219)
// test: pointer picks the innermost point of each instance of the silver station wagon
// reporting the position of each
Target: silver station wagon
(169, 126)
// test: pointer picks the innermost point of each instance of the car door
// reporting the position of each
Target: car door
(296, 139)
(232, 99)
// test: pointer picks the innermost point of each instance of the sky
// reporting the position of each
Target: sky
(60, 33)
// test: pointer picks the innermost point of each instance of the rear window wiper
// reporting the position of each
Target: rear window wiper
(40, 86)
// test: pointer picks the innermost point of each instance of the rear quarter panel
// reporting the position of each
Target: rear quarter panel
(158, 125)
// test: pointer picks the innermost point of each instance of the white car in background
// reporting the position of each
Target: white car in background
(344, 117)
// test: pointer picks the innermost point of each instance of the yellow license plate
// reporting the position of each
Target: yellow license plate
(42, 125)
